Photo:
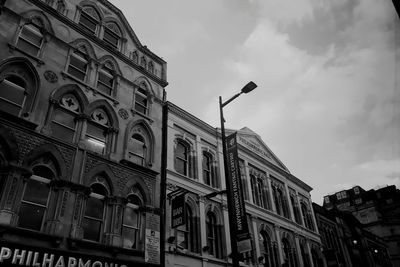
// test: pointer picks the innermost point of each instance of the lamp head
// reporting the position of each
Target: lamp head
(250, 86)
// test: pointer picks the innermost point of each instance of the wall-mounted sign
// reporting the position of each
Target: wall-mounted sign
(235, 187)
(152, 241)
(178, 211)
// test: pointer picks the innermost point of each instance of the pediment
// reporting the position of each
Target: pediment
(253, 142)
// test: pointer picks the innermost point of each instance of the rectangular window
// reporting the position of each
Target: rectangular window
(78, 66)
(96, 138)
(30, 40)
(11, 97)
(63, 125)
(111, 38)
(88, 22)
(105, 82)
(141, 103)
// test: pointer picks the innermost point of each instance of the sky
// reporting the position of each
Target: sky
(328, 74)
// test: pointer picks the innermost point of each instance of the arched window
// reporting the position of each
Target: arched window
(214, 237)
(141, 102)
(132, 222)
(295, 210)
(280, 202)
(289, 254)
(63, 124)
(78, 64)
(89, 19)
(12, 94)
(270, 254)
(30, 39)
(307, 217)
(106, 80)
(93, 219)
(137, 149)
(135, 57)
(209, 175)
(143, 62)
(35, 198)
(187, 234)
(96, 132)
(182, 158)
(112, 34)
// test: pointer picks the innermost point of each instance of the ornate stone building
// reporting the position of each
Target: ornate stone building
(278, 204)
(80, 136)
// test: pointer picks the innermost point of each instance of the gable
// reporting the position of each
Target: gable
(251, 141)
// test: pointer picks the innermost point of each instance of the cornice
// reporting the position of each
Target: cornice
(102, 44)
(191, 119)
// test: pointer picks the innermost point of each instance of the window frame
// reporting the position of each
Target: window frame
(82, 58)
(14, 85)
(35, 30)
(184, 160)
(141, 92)
(90, 18)
(109, 73)
(137, 228)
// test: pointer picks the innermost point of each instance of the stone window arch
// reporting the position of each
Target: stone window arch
(112, 35)
(139, 147)
(209, 168)
(19, 83)
(90, 19)
(280, 200)
(184, 158)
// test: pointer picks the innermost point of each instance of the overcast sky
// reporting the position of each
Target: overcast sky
(327, 102)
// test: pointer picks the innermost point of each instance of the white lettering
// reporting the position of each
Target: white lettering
(35, 262)
(97, 263)
(71, 262)
(81, 264)
(60, 262)
(5, 253)
(28, 258)
(48, 260)
(19, 257)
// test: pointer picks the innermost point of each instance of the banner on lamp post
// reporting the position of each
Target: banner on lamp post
(235, 188)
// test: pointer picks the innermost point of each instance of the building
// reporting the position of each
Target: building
(378, 211)
(279, 212)
(346, 243)
(80, 137)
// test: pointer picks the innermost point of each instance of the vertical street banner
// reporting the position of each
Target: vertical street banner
(178, 211)
(235, 188)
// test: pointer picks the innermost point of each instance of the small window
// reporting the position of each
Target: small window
(93, 218)
(141, 104)
(327, 200)
(151, 67)
(207, 169)
(131, 222)
(63, 124)
(112, 35)
(96, 132)
(78, 65)
(356, 190)
(182, 158)
(143, 62)
(12, 94)
(89, 19)
(137, 149)
(134, 57)
(35, 199)
(105, 81)
(30, 39)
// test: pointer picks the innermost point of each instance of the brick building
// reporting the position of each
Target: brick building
(80, 136)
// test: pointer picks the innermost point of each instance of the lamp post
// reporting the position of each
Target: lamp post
(232, 225)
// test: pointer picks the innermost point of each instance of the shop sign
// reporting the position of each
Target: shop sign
(178, 211)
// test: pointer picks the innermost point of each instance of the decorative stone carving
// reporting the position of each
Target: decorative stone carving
(123, 113)
(50, 76)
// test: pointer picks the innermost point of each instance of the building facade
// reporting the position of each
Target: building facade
(80, 136)
(279, 212)
(345, 241)
(377, 210)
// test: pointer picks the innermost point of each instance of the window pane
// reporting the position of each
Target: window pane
(36, 192)
(64, 118)
(32, 34)
(9, 107)
(182, 239)
(78, 63)
(88, 22)
(131, 217)
(181, 151)
(96, 131)
(27, 47)
(30, 216)
(129, 236)
(105, 79)
(91, 229)
(94, 208)
(62, 132)
(12, 91)
(111, 38)
(180, 166)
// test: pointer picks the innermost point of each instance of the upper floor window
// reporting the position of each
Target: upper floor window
(341, 195)
(187, 234)
(93, 219)
(131, 222)
(143, 62)
(151, 67)
(30, 39)
(78, 65)
(209, 175)
(137, 149)
(135, 57)
(295, 208)
(35, 199)
(112, 34)
(12, 94)
(141, 102)
(89, 19)
(307, 217)
(182, 158)
(260, 192)
(327, 200)
(280, 202)
(96, 132)
(63, 124)
(105, 81)
(356, 190)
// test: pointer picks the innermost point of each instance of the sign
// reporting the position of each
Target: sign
(178, 211)
(12, 254)
(254, 147)
(244, 245)
(235, 188)
(152, 239)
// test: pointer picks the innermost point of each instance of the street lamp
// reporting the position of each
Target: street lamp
(232, 226)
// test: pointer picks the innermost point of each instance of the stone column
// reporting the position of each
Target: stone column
(248, 182)
(279, 242)
(291, 209)
(300, 210)
(227, 230)
(203, 229)
(199, 158)
(300, 256)
(309, 254)
(273, 206)
(256, 238)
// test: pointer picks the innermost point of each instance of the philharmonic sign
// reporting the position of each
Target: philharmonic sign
(235, 187)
